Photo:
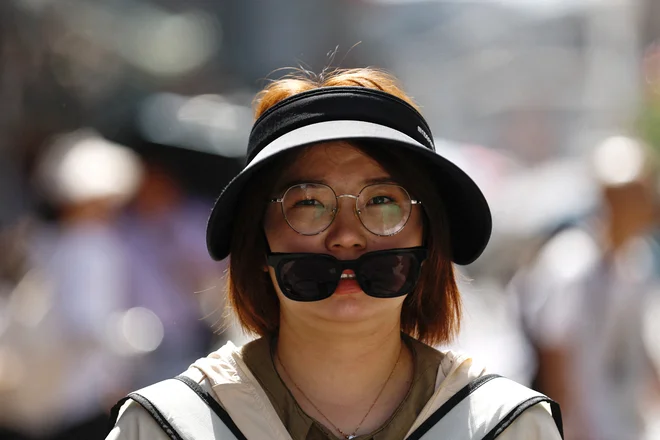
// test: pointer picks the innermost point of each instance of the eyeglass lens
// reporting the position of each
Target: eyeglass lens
(310, 208)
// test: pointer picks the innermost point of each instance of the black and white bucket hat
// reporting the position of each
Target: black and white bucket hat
(355, 113)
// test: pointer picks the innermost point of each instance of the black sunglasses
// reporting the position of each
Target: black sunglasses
(381, 274)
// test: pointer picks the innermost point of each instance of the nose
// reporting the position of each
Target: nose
(346, 235)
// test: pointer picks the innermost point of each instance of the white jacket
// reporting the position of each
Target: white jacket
(226, 376)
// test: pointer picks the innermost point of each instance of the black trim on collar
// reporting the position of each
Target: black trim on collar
(214, 405)
(450, 404)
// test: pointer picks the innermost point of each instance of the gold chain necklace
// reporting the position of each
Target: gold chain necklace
(345, 435)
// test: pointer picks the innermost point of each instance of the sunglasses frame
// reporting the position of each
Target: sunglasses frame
(277, 260)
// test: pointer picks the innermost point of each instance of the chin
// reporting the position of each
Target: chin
(353, 307)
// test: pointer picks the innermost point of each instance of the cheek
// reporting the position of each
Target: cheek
(275, 227)
(272, 219)
(281, 238)
(414, 230)
(273, 279)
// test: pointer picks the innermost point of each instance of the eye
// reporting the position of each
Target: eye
(308, 202)
(380, 200)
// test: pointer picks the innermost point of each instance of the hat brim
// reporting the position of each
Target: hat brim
(469, 216)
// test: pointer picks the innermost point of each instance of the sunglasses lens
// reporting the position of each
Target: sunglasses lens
(309, 279)
(388, 276)
(313, 277)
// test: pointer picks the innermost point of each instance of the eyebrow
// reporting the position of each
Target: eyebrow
(366, 182)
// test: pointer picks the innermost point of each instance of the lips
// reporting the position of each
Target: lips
(348, 285)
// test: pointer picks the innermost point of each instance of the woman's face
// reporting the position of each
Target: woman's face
(347, 170)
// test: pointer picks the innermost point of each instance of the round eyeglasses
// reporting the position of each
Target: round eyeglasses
(310, 208)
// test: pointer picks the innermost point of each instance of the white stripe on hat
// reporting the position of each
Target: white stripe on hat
(333, 130)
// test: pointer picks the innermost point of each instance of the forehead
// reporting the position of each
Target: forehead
(334, 161)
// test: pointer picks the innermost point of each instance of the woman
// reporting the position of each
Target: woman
(342, 230)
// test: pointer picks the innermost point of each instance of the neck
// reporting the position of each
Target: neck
(336, 368)
(351, 377)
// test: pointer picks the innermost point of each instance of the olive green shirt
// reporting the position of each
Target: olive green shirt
(258, 357)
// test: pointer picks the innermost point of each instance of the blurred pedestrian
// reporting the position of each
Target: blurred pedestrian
(586, 296)
(61, 362)
(170, 273)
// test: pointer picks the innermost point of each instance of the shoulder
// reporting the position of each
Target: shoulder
(135, 423)
(490, 405)
(455, 369)
(536, 423)
(449, 361)
(457, 375)
(222, 374)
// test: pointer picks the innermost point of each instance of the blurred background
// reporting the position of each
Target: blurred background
(121, 120)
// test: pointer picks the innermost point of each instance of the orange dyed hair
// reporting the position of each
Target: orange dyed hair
(431, 313)
(293, 84)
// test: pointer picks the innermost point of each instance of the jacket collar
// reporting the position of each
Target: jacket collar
(239, 392)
